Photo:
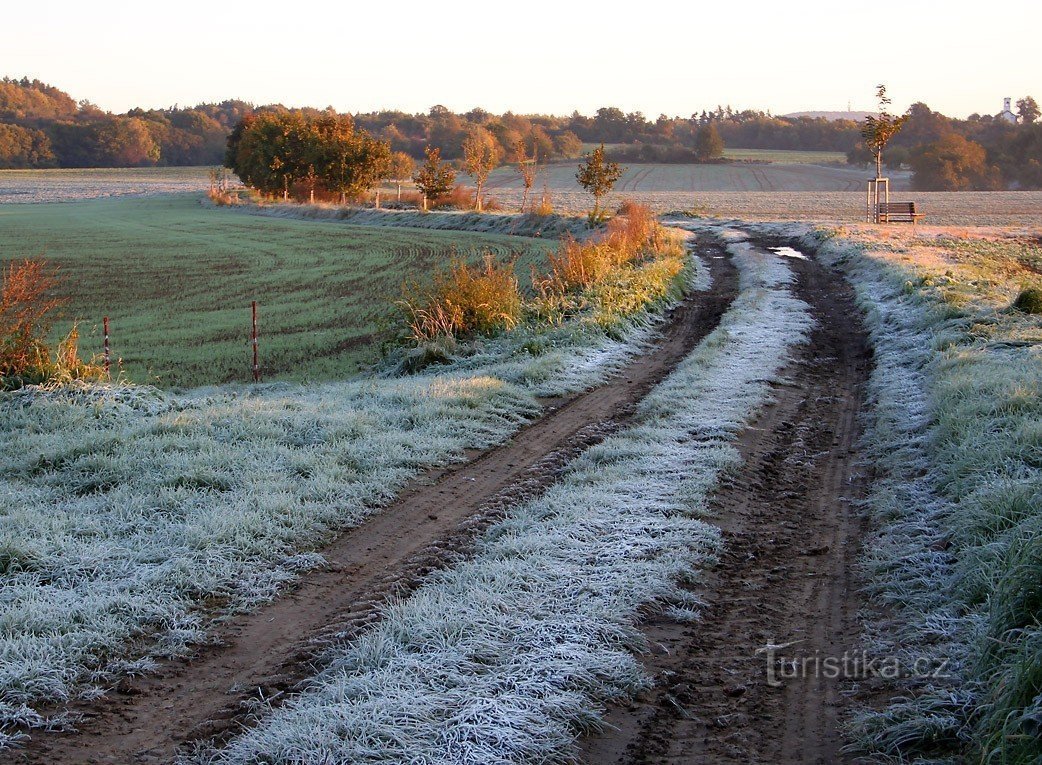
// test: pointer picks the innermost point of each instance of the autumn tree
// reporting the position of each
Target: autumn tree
(434, 177)
(952, 163)
(598, 177)
(480, 157)
(1027, 110)
(878, 130)
(400, 169)
(708, 143)
(526, 166)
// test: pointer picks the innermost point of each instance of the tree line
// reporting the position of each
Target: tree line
(41, 126)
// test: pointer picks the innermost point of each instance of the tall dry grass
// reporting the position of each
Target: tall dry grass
(466, 301)
(634, 264)
(28, 307)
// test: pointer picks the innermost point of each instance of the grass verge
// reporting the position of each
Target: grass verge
(955, 566)
(509, 655)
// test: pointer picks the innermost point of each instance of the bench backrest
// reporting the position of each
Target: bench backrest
(892, 208)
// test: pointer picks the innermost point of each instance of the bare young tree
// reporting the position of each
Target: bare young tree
(480, 157)
(527, 167)
(877, 131)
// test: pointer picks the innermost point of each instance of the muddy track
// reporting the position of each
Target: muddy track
(268, 652)
(791, 537)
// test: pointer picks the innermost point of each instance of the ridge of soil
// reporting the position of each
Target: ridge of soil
(270, 651)
(792, 537)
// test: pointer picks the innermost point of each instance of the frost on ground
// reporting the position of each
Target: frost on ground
(510, 654)
(126, 510)
(955, 435)
(35, 186)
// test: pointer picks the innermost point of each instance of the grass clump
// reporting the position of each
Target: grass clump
(1029, 301)
(466, 301)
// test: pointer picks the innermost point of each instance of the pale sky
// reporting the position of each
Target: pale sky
(530, 56)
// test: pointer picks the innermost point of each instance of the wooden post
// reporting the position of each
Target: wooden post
(253, 335)
(108, 353)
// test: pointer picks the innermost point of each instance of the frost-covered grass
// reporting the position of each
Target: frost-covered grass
(130, 517)
(509, 655)
(955, 565)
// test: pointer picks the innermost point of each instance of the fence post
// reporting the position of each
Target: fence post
(108, 353)
(256, 364)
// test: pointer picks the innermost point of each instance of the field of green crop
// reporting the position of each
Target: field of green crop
(177, 278)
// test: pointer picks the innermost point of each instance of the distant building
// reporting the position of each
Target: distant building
(1007, 113)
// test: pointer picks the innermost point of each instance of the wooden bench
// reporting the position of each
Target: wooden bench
(898, 212)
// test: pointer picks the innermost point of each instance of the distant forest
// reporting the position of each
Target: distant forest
(42, 126)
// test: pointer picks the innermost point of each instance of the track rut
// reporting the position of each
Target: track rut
(786, 575)
(269, 651)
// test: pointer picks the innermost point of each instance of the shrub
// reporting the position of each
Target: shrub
(27, 308)
(1029, 301)
(26, 312)
(468, 300)
(460, 198)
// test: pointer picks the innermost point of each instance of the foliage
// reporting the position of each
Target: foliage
(435, 177)
(480, 157)
(22, 147)
(400, 169)
(708, 143)
(272, 151)
(952, 163)
(598, 176)
(1027, 110)
(880, 129)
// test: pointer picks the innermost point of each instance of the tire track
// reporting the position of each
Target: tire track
(791, 539)
(270, 651)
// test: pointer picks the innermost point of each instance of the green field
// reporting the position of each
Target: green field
(177, 278)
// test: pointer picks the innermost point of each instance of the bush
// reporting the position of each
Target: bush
(1029, 301)
(27, 308)
(469, 300)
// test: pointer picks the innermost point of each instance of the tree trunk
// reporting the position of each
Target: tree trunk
(378, 199)
(311, 195)
(879, 162)
(477, 198)
(524, 199)
(425, 203)
(285, 189)
(399, 192)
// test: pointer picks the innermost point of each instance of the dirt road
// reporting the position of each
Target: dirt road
(791, 539)
(267, 652)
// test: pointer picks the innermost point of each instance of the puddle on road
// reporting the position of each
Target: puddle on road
(788, 252)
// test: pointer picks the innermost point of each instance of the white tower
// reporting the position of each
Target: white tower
(1007, 111)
